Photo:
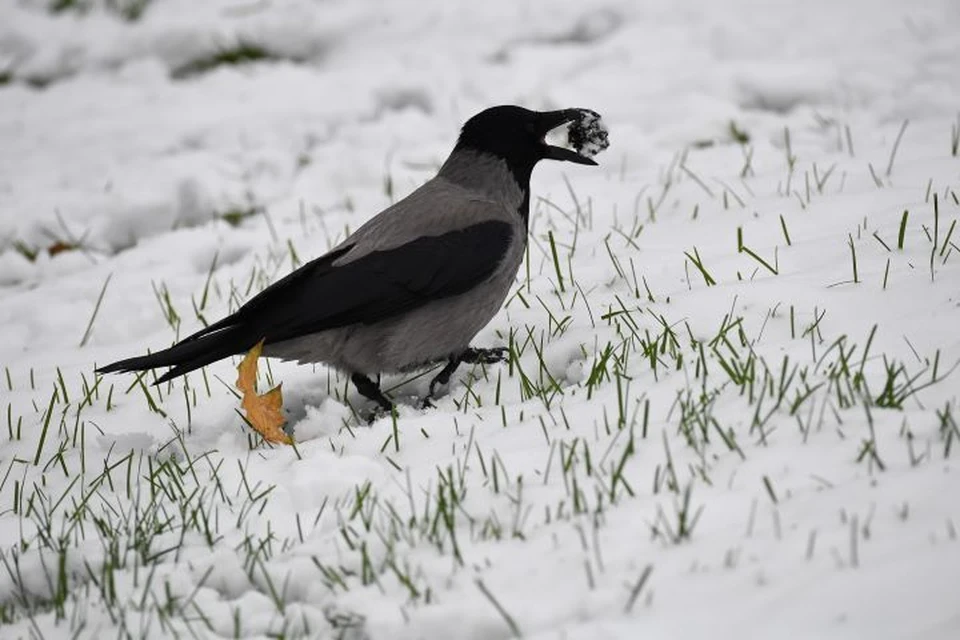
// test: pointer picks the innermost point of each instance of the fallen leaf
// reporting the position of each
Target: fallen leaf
(263, 411)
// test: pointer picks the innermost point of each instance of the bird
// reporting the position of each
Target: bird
(412, 286)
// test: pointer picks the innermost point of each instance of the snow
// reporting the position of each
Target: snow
(588, 134)
(546, 487)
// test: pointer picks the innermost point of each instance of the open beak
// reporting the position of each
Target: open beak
(550, 120)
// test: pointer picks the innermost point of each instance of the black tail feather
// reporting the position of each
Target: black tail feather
(187, 355)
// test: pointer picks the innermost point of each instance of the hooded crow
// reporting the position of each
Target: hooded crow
(413, 285)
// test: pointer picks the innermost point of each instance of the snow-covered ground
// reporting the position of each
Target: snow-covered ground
(731, 408)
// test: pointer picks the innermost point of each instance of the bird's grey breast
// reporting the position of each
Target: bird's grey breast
(444, 327)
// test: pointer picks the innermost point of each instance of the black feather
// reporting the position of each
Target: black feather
(379, 285)
(321, 295)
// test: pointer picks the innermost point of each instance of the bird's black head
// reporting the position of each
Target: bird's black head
(517, 136)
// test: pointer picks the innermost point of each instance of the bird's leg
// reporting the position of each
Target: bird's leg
(371, 390)
(441, 379)
(470, 356)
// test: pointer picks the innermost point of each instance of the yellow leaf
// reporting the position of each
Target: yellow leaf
(263, 411)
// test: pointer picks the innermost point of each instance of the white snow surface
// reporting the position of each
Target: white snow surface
(621, 477)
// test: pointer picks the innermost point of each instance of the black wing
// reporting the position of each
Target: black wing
(378, 285)
(321, 295)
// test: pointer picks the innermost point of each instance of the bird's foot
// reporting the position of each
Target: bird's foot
(470, 356)
(371, 390)
(485, 356)
(439, 380)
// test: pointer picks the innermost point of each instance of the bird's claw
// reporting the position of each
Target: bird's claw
(486, 356)
(472, 355)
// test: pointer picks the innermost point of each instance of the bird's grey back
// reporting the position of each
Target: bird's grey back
(470, 188)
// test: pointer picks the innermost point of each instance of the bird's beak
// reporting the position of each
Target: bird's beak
(550, 120)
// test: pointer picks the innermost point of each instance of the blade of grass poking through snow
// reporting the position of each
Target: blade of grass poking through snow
(514, 629)
(946, 240)
(896, 145)
(556, 261)
(48, 414)
(877, 237)
(204, 297)
(742, 248)
(849, 136)
(821, 180)
(637, 588)
(96, 308)
(769, 487)
(698, 263)
(788, 149)
(903, 229)
(786, 234)
(936, 232)
(697, 179)
(853, 255)
(873, 174)
(747, 168)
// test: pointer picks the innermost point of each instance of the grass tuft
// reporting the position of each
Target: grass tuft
(236, 216)
(242, 53)
(128, 10)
